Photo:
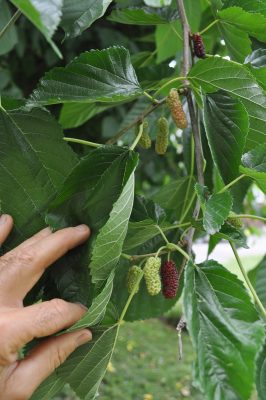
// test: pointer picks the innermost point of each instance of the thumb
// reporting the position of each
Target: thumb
(45, 358)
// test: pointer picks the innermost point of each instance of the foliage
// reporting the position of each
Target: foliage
(99, 70)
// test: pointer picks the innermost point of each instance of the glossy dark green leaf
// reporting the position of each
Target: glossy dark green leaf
(216, 74)
(81, 14)
(254, 165)
(143, 16)
(9, 39)
(252, 23)
(34, 162)
(105, 173)
(256, 62)
(73, 115)
(98, 75)
(44, 15)
(225, 329)
(226, 123)
(248, 5)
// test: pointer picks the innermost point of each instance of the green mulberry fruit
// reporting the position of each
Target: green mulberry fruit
(133, 274)
(152, 275)
(145, 140)
(176, 108)
(162, 136)
(234, 220)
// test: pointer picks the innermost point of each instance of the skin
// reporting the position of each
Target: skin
(20, 269)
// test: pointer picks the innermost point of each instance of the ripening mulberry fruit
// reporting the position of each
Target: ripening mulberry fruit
(234, 220)
(199, 48)
(170, 279)
(176, 108)
(162, 136)
(152, 275)
(145, 140)
(132, 276)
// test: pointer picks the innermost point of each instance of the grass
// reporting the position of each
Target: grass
(145, 366)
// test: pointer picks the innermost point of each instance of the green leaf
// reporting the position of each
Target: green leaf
(217, 209)
(248, 5)
(258, 278)
(225, 330)
(171, 196)
(108, 246)
(110, 170)
(237, 42)
(44, 15)
(73, 115)
(216, 74)
(80, 15)
(254, 165)
(257, 66)
(98, 75)
(143, 16)
(168, 40)
(261, 373)
(252, 23)
(84, 369)
(97, 309)
(228, 232)
(9, 39)
(157, 3)
(34, 163)
(226, 123)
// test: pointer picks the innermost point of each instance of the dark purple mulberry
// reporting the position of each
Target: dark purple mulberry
(170, 279)
(199, 48)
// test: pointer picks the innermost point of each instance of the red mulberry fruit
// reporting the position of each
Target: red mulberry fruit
(199, 48)
(170, 279)
(176, 108)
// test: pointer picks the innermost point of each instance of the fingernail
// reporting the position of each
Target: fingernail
(82, 228)
(85, 337)
(3, 219)
(82, 305)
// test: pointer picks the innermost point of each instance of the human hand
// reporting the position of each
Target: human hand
(20, 269)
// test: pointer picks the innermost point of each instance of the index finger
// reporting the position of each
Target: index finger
(21, 268)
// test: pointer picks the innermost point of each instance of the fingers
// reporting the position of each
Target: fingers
(6, 225)
(21, 268)
(20, 326)
(35, 238)
(43, 360)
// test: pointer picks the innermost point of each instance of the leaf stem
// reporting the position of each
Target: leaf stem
(249, 284)
(12, 20)
(250, 216)
(150, 97)
(123, 313)
(163, 235)
(134, 144)
(209, 26)
(231, 183)
(80, 141)
(136, 121)
(184, 253)
(178, 78)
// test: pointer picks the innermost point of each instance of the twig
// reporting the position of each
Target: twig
(12, 20)
(186, 33)
(136, 121)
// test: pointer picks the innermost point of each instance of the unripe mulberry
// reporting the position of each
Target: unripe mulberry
(199, 48)
(133, 274)
(170, 279)
(162, 136)
(176, 108)
(234, 220)
(152, 275)
(145, 140)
